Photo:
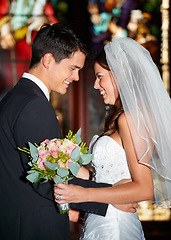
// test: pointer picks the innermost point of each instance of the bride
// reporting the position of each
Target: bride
(135, 143)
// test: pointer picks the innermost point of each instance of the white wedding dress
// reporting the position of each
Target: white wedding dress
(110, 167)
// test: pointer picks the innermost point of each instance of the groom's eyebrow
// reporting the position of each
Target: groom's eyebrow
(75, 66)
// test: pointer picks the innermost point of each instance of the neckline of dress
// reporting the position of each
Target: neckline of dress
(113, 141)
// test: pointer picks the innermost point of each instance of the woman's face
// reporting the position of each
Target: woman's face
(105, 84)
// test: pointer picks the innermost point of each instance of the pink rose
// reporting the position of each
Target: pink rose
(58, 143)
(70, 149)
(63, 148)
(51, 145)
(45, 142)
(40, 163)
(42, 158)
(43, 152)
(54, 153)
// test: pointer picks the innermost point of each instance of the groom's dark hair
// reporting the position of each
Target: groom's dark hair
(57, 39)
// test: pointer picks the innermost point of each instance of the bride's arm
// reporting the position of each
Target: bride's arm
(83, 173)
(140, 189)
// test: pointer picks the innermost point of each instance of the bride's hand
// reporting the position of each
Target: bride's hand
(70, 193)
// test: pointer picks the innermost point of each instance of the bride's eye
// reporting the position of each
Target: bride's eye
(99, 77)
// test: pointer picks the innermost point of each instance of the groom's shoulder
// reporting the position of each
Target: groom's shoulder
(22, 96)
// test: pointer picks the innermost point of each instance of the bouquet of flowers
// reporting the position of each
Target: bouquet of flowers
(57, 159)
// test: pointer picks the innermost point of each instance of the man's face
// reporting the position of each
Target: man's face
(60, 75)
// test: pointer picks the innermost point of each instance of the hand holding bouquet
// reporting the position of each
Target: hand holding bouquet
(57, 159)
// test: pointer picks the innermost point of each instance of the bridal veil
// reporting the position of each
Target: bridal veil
(147, 106)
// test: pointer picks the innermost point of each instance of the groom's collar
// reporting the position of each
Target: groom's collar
(38, 82)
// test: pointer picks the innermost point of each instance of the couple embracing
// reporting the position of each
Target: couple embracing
(131, 146)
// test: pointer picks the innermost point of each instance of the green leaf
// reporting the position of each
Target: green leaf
(78, 136)
(62, 172)
(86, 158)
(51, 166)
(75, 155)
(74, 168)
(31, 171)
(57, 179)
(33, 177)
(46, 180)
(30, 164)
(33, 152)
(69, 136)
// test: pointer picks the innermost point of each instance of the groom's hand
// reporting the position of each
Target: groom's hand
(129, 207)
(123, 181)
(83, 173)
(74, 215)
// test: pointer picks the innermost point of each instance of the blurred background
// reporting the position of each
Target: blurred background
(96, 22)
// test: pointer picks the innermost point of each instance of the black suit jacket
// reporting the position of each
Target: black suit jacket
(28, 211)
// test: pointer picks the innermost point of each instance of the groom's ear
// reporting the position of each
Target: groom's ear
(47, 59)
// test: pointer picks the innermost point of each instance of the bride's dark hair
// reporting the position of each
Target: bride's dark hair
(112, 111)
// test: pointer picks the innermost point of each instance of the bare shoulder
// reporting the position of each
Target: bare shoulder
(122, 122)
(123, 127)
(122, 118)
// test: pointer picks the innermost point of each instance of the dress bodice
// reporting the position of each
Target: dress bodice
(111, 166)
(109, 160)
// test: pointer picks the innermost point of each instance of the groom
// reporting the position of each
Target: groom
(28, 211)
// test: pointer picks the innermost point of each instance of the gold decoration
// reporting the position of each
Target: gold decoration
(20, 33)
(165, 48)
